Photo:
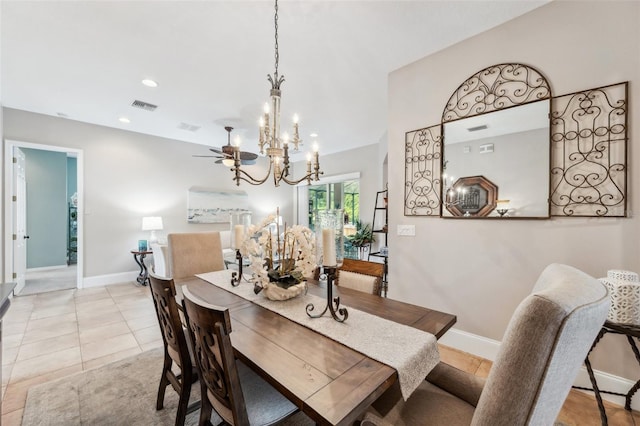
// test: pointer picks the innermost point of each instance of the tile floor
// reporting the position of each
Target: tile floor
(52, 335)
(55, 334)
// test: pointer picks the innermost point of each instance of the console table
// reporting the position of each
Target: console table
(138, 256)
(630, 331)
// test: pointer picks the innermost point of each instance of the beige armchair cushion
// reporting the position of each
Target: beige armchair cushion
(194, 253)
(545, 343)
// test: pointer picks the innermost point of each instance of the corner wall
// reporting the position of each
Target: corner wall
(480, 270)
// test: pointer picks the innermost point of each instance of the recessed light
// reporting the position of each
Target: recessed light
(150, 83)
(124, 120)
(314, 135)
(62, 114)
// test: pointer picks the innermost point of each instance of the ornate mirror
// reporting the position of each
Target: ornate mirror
(496, 145)
(506, 149)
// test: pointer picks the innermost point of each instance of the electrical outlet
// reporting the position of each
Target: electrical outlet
(406, 230)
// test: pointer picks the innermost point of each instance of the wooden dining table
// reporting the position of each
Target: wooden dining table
(330, 382)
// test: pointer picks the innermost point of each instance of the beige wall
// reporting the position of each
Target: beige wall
(480, 270)
(130, 175)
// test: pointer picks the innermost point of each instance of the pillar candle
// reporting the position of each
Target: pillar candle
(329, 247)
(239, 235)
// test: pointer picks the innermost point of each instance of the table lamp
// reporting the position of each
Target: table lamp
(153, 224)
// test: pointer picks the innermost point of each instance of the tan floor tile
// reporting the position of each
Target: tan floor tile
(87, 321)
(36, 324)
(108, 346)
(52, 311)
(9, 329)
(98, 310)
(120, 289)
(152, 345)
(98, 362)
(49, 331)
(9, 355)
(93, 305)
(6, 373)
(12, 340)
(43, 364)
(12, 419)
(132, 314)
(17, 392)
(46, 346)
(17, 316)
(143, 322)
(88, 335)
(91, 292)
(149, 334)
(54, 298)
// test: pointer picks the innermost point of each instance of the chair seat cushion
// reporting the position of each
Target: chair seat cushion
(427, 405)
(265, 405)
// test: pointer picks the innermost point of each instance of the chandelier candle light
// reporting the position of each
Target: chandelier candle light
(274, 145)
(330, 253)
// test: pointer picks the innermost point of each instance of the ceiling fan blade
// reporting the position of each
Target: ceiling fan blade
(248, 156)
(216, 150)
(207, 156)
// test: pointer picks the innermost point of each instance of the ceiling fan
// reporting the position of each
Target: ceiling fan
(224, 155)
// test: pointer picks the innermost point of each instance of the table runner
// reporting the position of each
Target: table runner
(411, 352)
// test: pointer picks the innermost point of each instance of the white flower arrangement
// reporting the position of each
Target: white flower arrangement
(279, 259)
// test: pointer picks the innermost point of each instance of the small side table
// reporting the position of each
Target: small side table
(138, 256)
(630, 331)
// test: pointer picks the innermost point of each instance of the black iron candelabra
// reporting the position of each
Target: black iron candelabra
(236, 277)
(333, 303)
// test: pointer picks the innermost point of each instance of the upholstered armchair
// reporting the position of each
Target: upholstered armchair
(545, 343)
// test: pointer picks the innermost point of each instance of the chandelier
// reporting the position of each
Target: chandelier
(272, 143)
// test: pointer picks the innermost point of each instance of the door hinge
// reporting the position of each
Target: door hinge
(15, 275)
(15, 160)
(14, 198)
(15, 237)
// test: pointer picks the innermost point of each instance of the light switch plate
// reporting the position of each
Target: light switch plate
(407, 230)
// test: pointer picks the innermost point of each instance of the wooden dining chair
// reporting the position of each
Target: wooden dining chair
(237, 394)
(194, 253)
(361, 275)
(176, 349)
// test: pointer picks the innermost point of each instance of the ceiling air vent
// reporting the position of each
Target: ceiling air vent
(144, 105)
(188, 127)
(475, 129)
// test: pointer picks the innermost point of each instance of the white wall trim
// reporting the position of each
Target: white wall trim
(488, 349)
(47, 268)
(108, 279)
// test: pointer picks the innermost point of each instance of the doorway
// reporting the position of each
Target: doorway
(43, 236)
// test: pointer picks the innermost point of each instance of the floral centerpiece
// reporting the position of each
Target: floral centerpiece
(279, 261)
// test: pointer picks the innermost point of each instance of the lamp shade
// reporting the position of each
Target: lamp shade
(151, 223)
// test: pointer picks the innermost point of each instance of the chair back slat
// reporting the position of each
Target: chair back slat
(209, 327)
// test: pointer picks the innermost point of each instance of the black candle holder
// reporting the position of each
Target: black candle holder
(333, 303)
(236, 277)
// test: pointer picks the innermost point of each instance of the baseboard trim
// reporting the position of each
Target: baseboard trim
(47, 268)
(109, 279)
(488, 349)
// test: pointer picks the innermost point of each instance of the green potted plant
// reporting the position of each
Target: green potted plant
(362, 238)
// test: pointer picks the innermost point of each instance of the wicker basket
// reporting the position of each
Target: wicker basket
(624, 289)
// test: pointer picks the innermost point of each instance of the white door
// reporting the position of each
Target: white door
(19, 221)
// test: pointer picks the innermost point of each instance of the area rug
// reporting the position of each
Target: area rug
(120, 393)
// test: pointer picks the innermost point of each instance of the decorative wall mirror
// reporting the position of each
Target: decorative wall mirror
(506, 149)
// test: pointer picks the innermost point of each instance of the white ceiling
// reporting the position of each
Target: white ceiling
(85, 59)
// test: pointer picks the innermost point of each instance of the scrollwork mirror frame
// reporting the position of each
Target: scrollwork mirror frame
(588, 142)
